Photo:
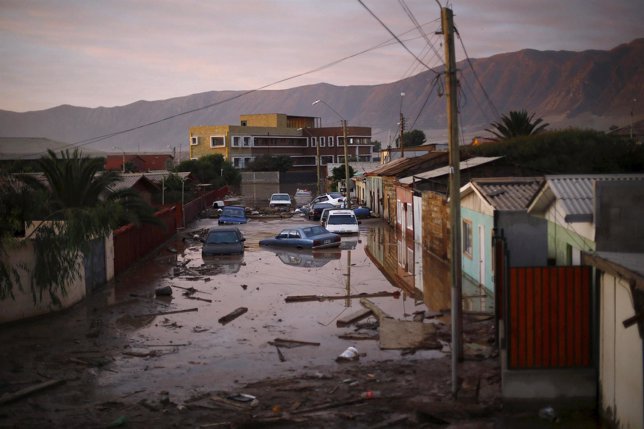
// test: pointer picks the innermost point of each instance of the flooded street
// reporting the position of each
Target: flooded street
(125, 346)
(221, 355)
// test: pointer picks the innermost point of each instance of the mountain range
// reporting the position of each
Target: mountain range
(589, 89)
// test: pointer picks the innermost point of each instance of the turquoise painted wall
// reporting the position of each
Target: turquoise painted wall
(471, 266)
(560, 238)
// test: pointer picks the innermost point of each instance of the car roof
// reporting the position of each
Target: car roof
(224, 228)
(235, 207)
(323, 205)
(341, 212)
(279, 193)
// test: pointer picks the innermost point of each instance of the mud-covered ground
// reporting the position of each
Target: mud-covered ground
(127, 358)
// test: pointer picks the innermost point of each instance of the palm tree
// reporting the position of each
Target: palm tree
(80, 203)
(516, 123)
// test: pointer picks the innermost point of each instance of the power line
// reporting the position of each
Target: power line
(396, 37)
(469, 61)
(413, 19)
(85, 142)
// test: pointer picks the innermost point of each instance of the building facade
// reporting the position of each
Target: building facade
(276, 134)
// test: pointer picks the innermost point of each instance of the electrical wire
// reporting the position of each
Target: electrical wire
(469, 61)
(96, 139)
(413, 19)
(431, 89)
(396, 37)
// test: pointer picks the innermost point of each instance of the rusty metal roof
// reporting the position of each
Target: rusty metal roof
(443, 171)
(508, 193)
(400, 165)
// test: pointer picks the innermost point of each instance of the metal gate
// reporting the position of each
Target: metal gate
(548, 317)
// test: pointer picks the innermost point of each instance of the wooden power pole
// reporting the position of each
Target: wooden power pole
(454, 194)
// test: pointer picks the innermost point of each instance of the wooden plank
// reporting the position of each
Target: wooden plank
(307, 298)
(164, 313)
(283, 342)
(9, 397)
(232, 315)
(353, 317)
(375, 309)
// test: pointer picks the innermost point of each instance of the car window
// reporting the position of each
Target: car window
(324, 198)
(294, 234)
(314, 230)
(283, 234)
(233, 212)
(342, 220)
(222, 237)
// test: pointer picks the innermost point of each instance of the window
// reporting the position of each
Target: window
(236, 141)
(322, 141)
(326, 159)
(247, 141)
(194, 141)
(244, 123)
(467, 238)
(330, 141)
(410, 216)
(314, 141)
(217, 141)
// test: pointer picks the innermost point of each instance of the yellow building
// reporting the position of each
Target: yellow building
(277, 134)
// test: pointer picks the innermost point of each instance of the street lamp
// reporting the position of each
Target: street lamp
(346, 152)
(123, 166)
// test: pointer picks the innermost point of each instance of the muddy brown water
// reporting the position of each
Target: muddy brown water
(189, 352)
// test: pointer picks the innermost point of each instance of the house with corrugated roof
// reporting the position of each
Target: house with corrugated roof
(498, 206)
(567, 202)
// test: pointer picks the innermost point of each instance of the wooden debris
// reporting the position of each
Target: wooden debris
(191, 290)
(233, 315)
(280, 355)
(327, 406)
(359, 336)
(306, 298)
(405, 334)
(375, 309)
(198, 299)
(163, 313)
(283, 342)
(354, 317)
(9, 397)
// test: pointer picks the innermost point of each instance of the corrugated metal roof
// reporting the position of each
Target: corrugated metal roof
(399, 165)
(576, 192)
(443, 171)
(508, 193)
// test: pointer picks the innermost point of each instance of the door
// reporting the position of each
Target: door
(418, 220)
(482, 254)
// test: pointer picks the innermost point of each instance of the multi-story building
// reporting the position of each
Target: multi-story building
(277, 134)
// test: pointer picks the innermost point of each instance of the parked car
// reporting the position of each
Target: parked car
(362, 212)
(342, 222)
(232, 215)
(280, 200)
(325, 214)
(334, 198)
(223, 241)
(305, 237)
(315, 212)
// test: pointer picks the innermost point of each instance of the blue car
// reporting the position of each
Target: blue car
(232, 215)
(305, 237)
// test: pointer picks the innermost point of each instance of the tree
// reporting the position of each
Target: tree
(339, 176)
(413, 138)
(212, 169)
(377, 145)
(77, 203)
(516, 123)
(267, 162)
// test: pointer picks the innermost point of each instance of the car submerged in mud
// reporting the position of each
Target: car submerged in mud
(306, 237)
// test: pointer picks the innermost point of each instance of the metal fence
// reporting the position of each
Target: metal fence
(548, 317)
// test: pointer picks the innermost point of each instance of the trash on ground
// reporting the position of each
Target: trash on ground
(548, 413)
(359, 336)
(350, 354)
(163, 291)
(163, 313)
(8, 397)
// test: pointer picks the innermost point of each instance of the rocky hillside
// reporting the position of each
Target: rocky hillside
(593, 89)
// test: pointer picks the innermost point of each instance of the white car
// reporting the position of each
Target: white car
(342, 222)
(335, 198)
(280, 201)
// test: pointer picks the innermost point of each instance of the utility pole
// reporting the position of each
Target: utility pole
(402, 127)
(346, 163)
(454, 194)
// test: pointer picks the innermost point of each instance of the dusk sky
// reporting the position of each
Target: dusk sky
(114, 52)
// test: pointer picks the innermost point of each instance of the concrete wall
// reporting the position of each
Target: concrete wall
(526, 237)
(618, 216)
(436, 224)
(23, 306)
(260, 177)
(621, 375)
(203, 133)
